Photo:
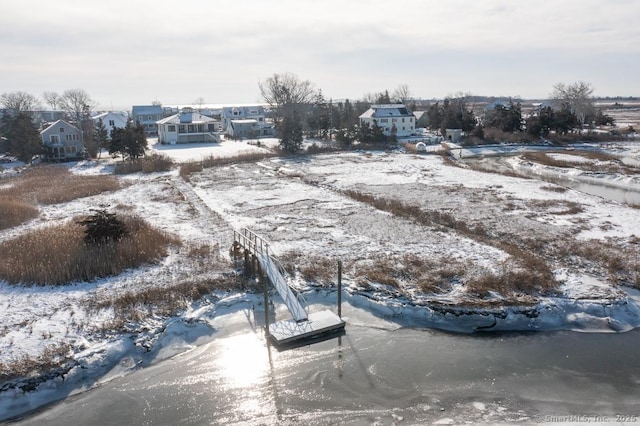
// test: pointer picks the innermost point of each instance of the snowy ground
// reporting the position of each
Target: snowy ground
(298, 204)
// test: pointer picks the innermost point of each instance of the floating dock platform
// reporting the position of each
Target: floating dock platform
(319, 323)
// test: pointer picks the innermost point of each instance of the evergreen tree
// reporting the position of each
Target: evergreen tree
(100, 136)
(319, 119)
(136, 140)
(24, 137)
(290, 133)
(564, 119)
(117, 142)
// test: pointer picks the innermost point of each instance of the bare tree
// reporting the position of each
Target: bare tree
(77, 103)
(199, 101)
(53, 99)
(286, 93)
(578, 96)
(402, 93)
(19, 101)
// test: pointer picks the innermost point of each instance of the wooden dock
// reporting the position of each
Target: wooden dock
(303, 326)
(318, 323)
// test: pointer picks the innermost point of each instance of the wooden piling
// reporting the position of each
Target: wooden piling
(340, 289)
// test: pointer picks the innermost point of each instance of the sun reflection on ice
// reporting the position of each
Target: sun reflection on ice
(244, 361)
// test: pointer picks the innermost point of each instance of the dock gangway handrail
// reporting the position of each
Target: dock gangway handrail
(259, 247)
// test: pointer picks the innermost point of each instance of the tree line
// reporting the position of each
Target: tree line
(298, 108)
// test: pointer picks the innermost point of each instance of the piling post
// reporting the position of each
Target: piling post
(247, 265)
(340, 289)
(264, 282)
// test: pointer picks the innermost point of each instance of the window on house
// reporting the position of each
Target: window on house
(393, 120)
(54, 138)
(61, 129)
(171, 128)
(112, 123)
(149, 118)
(403, 119)
(384, 120)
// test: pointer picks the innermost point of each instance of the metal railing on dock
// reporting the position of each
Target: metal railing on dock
(259, 247)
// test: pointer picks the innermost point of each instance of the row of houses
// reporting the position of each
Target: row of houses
(185, 124)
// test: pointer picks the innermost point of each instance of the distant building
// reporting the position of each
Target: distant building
(111, 120)
(392, 118)
(62, 142)
(188, 126)
(246, 121)
(249, 129)
(453, 135)
(148, 116)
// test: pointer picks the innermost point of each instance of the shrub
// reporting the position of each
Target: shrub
(103, 227)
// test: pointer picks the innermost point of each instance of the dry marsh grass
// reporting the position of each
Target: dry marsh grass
(147, 164)
(55, 184)
(558, 207)
(54, 356)
(57, 255)
(533, 272)
(134, 306)
(14, 212)
(601, 161)
(554, 188)
(187, 169)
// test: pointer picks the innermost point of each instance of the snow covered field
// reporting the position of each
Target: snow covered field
(301, 205)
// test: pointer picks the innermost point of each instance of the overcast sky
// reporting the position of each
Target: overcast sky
(138, 51)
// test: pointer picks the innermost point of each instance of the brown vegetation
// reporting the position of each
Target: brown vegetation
(187, 169)
(54, 184)
(59, 255)
(602, 162)
(51, 358)
(14, 212)
(134, 306)
(533, 271)
(147, 164)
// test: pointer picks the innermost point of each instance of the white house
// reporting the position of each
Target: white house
(111, 120)
(392, 118)
(188, 126)
(62, 141)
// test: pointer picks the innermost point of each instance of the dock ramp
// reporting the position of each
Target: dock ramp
(302, 325)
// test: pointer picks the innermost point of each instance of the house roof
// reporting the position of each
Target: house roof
(384, 111)
(196, 118)
(110, 113)
(245, 110)
(146, 109)
(58, 123)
